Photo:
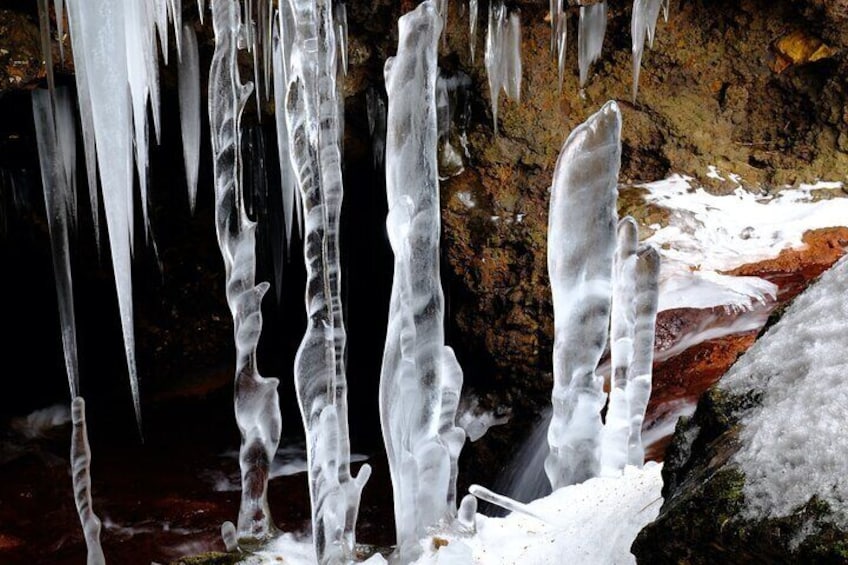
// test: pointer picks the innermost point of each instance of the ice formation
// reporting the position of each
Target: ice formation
(256, 400)
(313, 121)
(503, 55)
(101, 31)
(590, 37)
(81, 471)
(53, 149)
(473, 10)
(793, 442)
(375, 106)
(642, 27)
(581, 242)
(420, 379)
(189, 90)
(452, 115)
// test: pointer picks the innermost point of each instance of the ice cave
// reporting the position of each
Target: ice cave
(424, 282)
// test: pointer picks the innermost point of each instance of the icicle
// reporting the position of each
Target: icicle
(642, 25)
(201, 10)
(46, 43)
(256, 399)
(561, 45)
(176, 10)
(288, 182)
(160, 17)
(57, 194)
(590, 37)
(665, 9)
(452, 112)
(375, 107)
(189, 89)
(86, 116)
(505, 502)
(59, 7)
(267, 27)
(639, 373)
(472, 26)
(67, 137)
(81, 471)
(102, 25)
(615, 435)
(420, 378)
(312, 114)
(503, 55)
(581, 242)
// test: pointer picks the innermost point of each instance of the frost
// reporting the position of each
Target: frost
(420, 378)
(590, 37)
(189, 90)
(256, 400)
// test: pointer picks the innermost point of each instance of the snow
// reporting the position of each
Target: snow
(793, 443)
(707, 235)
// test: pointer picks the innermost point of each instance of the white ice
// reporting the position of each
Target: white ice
(503, 55)
(642, 27)
(81, 472)
(189, 91)
(590, 37)
(793, 445)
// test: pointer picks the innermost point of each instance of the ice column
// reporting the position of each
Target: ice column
(313, 123)
(420, 379)
(643, 25)
(581, 242)
(590, 37)
(638, 388)
(81, 471)
(189, 90)
(256, 401)
(503, 55)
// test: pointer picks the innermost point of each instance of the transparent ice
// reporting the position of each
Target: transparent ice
(642, 27)
(189, 91)
(590, 37)
(81, 472)
(503, 55)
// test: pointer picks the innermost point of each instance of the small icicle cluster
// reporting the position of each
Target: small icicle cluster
(581, 246)
(503, 55)
(590, 37)
(256, 400)
(642, 26)
(453, 115)
(421, 379)
(313, 110)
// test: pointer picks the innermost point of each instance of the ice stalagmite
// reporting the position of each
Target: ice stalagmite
(590, 37)
(81, 471)
(420, 379)
(639, 373)
(616, 432)
(581, 242)
(313, 122)
(189, 89)
(503, 55)
(642, 26)
(256, 400)
(104, 55)
(57, 192)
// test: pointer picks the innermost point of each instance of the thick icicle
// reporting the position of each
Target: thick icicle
(189, 89)
(81, 472)
(590, 37)
(581, 242)
(312, 114)
(57, 192)
(420, 378)
(86, 116)
(473, 10)
(102, 25)
(615, 436)
(642, 26)
(503, 55)
(256, 400)
(639, 372)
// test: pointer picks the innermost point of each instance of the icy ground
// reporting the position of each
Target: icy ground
(593, 522)
(794, 443)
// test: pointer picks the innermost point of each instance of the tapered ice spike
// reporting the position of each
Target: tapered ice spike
(503, 55)
(590, 37)
(473, 10)
(175, 8)
(66, 136)
(561, 46)
(59, 9)
(189, 91)
(256, 399)
(288, 182)
(642, 26)
(56, 195)
(81, 472)
(581, 241)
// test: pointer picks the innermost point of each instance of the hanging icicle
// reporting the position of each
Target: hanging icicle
(590, 37)
(189, 91)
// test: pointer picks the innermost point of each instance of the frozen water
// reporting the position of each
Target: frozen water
(256, 400)
(281, 61)
(503, 55)
(793, 443)
(581, 242)
(175, 10)
(189, 90)
(420, 378)
(642, 27)
(561, 45)
(473, 10)
(59, 9)
(453, 114)
(375, 106)
(104, 55)
(313, 121)
(590, 37)
(66, 136)
(46, 44)
(81, 470)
